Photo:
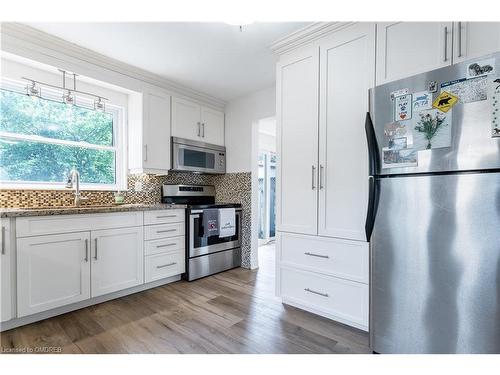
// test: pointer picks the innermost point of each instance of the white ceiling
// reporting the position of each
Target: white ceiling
(214, 58)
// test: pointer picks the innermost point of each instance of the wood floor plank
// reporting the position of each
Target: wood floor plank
(231, 312)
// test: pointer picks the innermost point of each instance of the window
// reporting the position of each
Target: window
(42, 139)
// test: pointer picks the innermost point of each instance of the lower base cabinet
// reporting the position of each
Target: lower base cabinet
(52, 271)
(326, 276)
(117, 259)
(164, 265)
(60, 269)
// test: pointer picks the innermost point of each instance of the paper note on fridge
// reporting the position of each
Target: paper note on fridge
(468, 90)
(402, 107)
(399, 158)
(432, 129)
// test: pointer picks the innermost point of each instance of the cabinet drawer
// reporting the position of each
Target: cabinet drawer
(164, 265)
(37, 225)
(164, 245)
(342, 300)
(163, 216)
(341, 258)
(154, 232)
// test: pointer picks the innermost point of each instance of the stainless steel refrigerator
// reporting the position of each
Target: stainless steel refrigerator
(434, 211)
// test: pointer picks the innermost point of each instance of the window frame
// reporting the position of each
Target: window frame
(119, 140)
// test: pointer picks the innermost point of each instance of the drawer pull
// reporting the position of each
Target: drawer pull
(314, 292)
(166, 230)
(165, 216)
(167, 244)
(166, 265)
(316, 255)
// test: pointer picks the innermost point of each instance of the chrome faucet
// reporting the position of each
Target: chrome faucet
(74, 180)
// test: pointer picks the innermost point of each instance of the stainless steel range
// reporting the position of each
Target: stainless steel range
(206, 253)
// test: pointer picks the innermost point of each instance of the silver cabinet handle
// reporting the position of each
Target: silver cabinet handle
(86, 250)
(460, 39)
(321, 168)
(314, 292)
(166, 230)
(313, 172)
(3, 240)
(166, 265)
(317, 255)
(203, 129)
(145, 152)
(95, 256)
(165, 216)
(166, 245)
(199, 125)
(446, 43)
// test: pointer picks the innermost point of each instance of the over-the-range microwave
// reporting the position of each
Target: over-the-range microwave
(198, 157)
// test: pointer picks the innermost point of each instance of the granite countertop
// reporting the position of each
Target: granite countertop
(48, 211)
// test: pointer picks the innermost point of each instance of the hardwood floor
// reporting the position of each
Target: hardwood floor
(232, 312)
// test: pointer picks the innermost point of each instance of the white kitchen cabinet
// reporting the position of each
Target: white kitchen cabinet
(343, 159)
(117, 258)
(475, 39)
(6, 257)
(198, 123)
(52, 271)
(343, 300)
(345, 259)
(408, 48)
(149, 134)
(186, 121)
(297, 138)
(212, 126)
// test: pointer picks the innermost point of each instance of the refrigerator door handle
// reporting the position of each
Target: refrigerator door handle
(373, 154)
(373, 197)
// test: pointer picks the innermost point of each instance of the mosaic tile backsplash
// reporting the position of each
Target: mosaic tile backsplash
(231, 188)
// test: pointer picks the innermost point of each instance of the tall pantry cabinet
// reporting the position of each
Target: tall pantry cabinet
(322, 100)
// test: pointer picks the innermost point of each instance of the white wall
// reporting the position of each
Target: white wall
(241, 114)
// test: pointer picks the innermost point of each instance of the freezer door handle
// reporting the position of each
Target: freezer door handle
(373, 197)
(373, 154)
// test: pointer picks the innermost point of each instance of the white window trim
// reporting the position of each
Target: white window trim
(119, 129)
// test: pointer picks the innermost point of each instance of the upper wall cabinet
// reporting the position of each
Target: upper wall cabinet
(408, 48)
(474, 39)
(193, 121)
(149, 144)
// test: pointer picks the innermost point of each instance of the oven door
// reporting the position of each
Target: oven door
(200, 244)
(197, 159)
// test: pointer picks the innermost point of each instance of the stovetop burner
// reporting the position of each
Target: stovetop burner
(197, 197)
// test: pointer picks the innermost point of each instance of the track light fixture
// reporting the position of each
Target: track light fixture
(33, 88)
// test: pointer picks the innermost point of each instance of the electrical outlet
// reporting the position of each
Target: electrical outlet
(138, 186)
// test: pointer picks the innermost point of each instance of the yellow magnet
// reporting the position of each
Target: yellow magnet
(445, 101)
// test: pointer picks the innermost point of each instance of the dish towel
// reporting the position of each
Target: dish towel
(227, 222)
(211, 222)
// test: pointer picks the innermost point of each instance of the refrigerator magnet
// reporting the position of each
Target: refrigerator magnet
(421, 101)
(481, 68)
(402, 107)
(433, 86)
(445, 101)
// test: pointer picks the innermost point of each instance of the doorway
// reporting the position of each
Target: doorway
(267, 181)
